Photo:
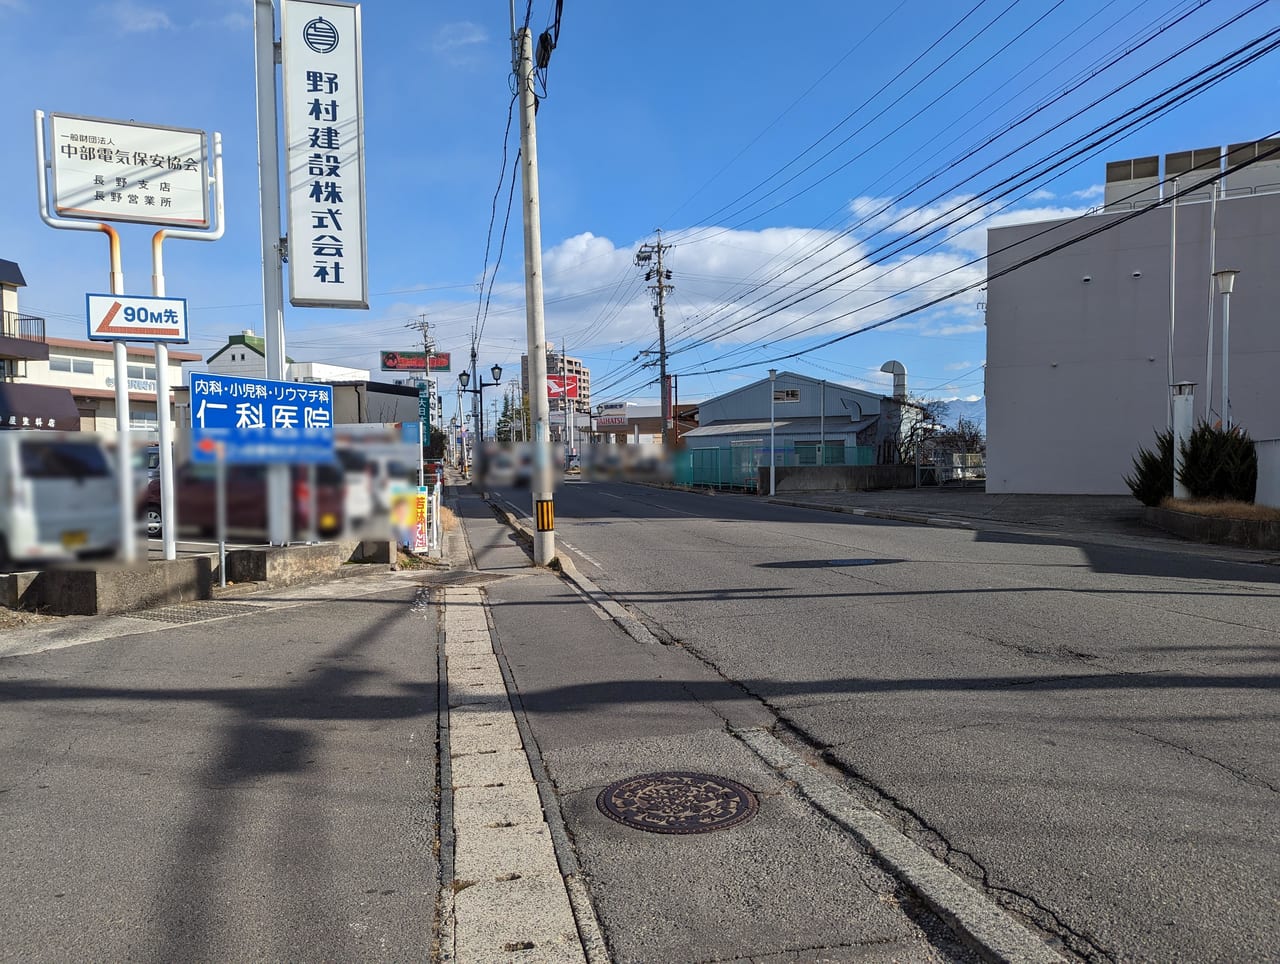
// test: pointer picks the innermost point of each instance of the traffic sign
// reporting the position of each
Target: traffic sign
(136, 318)
(259, 421)
(562, 386)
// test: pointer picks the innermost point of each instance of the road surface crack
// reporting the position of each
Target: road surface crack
(913, 825)
(35, 774)
(1240, 775)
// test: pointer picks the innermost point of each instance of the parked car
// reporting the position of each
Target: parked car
(195, 490)
(58, 498)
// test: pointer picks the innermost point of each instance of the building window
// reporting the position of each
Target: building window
(82, 366)
(146, 372)
(58, 363)
(786, 394)
(147, 421)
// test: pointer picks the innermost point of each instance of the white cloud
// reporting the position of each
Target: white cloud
(734, 289)
(453, 36)
(965, 217)
(1044, 194)
(1091, 193)
(132, 17)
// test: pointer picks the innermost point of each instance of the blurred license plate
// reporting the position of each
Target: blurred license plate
(74, 539)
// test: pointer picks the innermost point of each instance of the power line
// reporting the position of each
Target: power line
(1039, 256)
(968, 207)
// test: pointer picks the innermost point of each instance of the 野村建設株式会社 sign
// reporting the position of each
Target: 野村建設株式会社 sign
(106, 170)
(258, 421)
(136, 318)
(324, 153)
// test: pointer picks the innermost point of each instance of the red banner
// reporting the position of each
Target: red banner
(414, 361)
(562, 386)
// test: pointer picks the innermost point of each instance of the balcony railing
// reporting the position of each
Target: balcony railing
(26, 327)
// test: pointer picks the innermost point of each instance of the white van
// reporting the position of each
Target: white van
(58, 498)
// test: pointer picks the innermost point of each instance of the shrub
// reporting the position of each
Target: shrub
(1219, 463)
(1152, 479)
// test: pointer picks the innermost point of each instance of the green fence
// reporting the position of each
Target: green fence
(737, 466)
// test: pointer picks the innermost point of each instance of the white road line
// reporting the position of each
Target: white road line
(656, 505)
(572, 548)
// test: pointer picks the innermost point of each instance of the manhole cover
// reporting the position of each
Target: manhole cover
(677, 802)
(195, 612)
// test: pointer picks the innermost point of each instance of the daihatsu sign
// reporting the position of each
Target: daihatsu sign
(324, 138)
(106, 170)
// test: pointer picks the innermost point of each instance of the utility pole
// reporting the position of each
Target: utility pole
(544, 538)
(423, 326)
(648, 255)
(428, 346)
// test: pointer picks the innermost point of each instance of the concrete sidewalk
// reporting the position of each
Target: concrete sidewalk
(1071, 519)
(597, 699)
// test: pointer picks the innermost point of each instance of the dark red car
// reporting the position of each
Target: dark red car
(195, 491)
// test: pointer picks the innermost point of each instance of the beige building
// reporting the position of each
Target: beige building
(87, 369)
(558, 364)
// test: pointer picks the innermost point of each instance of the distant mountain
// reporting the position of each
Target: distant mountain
(975, 411)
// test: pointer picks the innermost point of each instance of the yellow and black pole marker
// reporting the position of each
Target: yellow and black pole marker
(545, 515)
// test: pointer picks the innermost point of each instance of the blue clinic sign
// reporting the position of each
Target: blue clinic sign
(260, 421)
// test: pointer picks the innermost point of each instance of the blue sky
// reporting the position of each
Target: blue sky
(774, 146)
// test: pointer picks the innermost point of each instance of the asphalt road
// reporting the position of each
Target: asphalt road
(1087, 732)
(256, 784)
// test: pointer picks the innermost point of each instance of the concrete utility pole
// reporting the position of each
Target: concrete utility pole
(424, 327)
(544, 538)
(649, 254)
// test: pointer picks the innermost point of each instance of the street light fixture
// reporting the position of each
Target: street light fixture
(773, 395)
(464, 378)
(1226, 278)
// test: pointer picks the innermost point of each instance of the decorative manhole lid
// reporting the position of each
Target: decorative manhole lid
(678, 802)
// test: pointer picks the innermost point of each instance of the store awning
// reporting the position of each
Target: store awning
(37, 407)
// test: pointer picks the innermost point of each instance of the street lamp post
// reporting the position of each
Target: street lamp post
(1226, 279)
(773, 458)
(464, 378)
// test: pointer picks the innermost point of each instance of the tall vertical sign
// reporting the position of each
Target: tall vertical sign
(324, 153)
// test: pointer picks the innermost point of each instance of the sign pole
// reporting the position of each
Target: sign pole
(128, 543)
(266, 58)
(221, 509)
(168, 504)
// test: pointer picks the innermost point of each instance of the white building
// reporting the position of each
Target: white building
(1078, 342)
(87, 369)
(244, 356)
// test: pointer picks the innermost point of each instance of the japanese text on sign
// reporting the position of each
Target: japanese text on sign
(122, 171)
(324, 132)
(262, 421)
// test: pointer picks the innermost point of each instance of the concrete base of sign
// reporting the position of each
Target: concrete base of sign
(288, 565)
(84, 590)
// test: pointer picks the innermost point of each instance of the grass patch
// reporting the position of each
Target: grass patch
(447, 519)
(1223, 509)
